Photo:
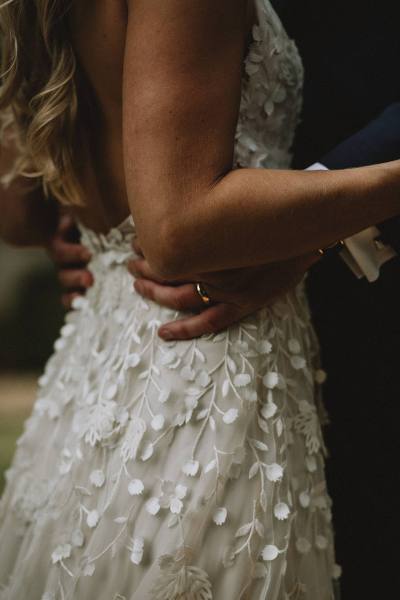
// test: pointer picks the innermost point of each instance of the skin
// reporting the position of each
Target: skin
(209, 217)
(162, 144)
(235, 293)
(71, 258)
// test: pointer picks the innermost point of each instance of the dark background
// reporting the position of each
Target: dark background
(351, 55)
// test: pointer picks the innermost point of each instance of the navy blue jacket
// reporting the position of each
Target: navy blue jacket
(378, 141)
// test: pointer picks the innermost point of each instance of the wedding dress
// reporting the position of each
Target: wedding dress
(184, 470)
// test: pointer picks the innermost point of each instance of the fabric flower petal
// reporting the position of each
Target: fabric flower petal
(153, 505)
(270, 552)
(135, 487)
(230, 416)
(220, 514)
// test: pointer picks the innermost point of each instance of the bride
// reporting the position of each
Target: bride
(152, 468)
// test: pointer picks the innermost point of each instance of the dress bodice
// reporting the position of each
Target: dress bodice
(271, 95)
(271, 99)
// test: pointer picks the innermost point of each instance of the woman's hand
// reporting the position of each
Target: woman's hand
(236, 294)
(71, 258)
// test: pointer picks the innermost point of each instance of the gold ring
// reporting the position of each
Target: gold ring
(203, 294)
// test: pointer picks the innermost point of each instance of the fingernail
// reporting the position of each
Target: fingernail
(165, 334)
(85, 255)
(87, 280)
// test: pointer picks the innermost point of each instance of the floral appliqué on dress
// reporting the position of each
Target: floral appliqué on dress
(191, 470)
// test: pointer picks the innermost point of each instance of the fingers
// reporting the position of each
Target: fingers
(139, 267)
(212, 320)
(137, 247)
(74, 283)
(72, 279)
(65, 253)
(64, 248)
(182, 297)
(67, 299)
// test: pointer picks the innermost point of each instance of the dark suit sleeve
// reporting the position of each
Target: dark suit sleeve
(378, 142)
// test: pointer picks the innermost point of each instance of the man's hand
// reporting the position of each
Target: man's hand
(71, 259)
(236, 294)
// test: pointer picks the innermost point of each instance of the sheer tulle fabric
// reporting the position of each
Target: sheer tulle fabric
(178, 470)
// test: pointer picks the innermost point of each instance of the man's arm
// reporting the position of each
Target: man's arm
(379, 141)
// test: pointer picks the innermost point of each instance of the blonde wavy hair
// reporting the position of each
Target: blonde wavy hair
(38, 95)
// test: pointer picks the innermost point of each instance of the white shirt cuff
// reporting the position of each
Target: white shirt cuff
(363, 253)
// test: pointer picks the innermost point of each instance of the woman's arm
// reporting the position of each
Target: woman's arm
(181, 96)
(27, 218)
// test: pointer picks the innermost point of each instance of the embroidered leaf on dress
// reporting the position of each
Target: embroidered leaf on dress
(132, 439)
(210, 466)
(147, 451)
(259, 527)
(225, 388)
(178, 580)
(243, 530)
(260, 445)
(230, 416)
(242, 380)
(254, 469)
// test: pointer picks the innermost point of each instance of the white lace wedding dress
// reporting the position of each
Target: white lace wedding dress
(190, 470)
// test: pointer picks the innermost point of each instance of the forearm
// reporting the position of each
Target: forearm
(257, 216)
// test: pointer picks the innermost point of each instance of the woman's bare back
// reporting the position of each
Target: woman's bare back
(98, 31)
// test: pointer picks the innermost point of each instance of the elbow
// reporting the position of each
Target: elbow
(167, 252)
